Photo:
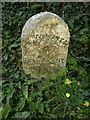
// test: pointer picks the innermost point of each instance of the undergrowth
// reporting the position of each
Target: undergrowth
(64, 94)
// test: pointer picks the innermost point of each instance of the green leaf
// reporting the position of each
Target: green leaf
(10, 91)
(2, 97)
(41, 108)
(53, 116)
(16, 75)
(28, 82)
(25, 91)
(53, 76)
(71, 23)
(5, 57)
(19, 85)
(84, 30)
(20, 105)
(22, 115)
(1, 108)
(86, 93)
(47, 108)
(32, 107)
(13, 46)
(72, 113)
(6, 110)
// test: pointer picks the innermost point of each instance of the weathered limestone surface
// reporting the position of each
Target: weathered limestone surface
(44, 40)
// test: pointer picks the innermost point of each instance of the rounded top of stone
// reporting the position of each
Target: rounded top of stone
(39, 20)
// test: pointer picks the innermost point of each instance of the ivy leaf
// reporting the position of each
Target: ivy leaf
(22, 115)
(5, 57)
(71, 23)
(84, 30)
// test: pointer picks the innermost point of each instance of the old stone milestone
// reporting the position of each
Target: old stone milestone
(44, 41)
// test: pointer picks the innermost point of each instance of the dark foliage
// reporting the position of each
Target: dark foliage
(26, 97)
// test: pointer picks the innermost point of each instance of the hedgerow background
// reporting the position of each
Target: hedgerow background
(64, 94)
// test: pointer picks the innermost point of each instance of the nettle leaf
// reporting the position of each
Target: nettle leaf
(6, 110)
(25, 91)
(20, 105)
(22, 115)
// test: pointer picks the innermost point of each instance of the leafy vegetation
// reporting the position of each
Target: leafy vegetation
(65, 94)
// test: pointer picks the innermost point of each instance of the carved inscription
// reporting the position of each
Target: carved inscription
(38, 41)
(60, 41)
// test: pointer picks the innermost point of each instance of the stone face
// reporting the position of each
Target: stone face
(44, 41)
